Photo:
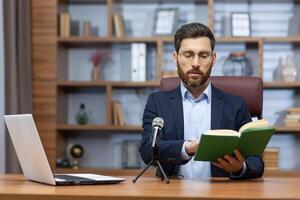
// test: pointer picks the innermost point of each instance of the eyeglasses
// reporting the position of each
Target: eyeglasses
(188, 56)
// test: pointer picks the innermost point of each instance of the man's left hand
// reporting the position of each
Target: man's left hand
(231, 164)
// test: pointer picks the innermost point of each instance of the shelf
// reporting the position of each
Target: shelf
(115, 84)
(154, 39)
(87, 1)
(287, 129)
(281, 84)
(238, 39)
(150, 39)
(87, 40)
(126, 128)
(63, 127)
(108, 171)
(292, 39)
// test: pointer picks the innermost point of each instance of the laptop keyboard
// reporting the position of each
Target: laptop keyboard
(75, 179)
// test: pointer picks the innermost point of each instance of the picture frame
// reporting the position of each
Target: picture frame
(165, 21)
(240, 24)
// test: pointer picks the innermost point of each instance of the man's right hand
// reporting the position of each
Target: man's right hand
(191, 147)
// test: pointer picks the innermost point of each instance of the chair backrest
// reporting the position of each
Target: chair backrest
(249, 88)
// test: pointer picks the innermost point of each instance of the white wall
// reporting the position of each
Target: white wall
(2, 130)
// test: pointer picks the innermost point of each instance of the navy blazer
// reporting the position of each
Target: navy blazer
(227, 112)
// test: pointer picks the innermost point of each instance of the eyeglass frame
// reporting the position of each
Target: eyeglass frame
(200, 56)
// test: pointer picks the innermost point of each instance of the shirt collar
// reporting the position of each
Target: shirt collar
(185, 93)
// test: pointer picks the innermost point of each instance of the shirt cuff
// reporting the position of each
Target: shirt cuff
(184, 155)
(242, 173)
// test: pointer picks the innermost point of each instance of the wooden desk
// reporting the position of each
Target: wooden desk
(15, 187)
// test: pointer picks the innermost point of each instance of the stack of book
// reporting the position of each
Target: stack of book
(293, 117)
(118, 115)
(271, 157)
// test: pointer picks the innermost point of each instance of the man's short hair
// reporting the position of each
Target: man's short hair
(193, 30)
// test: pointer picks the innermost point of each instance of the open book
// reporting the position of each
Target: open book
(251, 139)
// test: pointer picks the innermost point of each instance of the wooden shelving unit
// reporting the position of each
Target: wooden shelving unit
(115, 84)
(287, 129)
(130, 128)
(50, 82)
(281, 85)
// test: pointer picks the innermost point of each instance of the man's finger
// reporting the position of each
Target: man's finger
(223, 162)
(230, 159)
(239, 156)
(218, 165)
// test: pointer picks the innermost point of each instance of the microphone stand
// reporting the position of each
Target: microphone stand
(155, 162)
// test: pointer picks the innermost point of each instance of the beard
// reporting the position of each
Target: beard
(192, 82)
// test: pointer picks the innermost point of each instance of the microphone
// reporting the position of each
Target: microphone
(157, 125)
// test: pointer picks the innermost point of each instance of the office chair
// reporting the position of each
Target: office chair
(249, 88)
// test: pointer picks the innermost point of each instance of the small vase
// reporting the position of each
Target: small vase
(237, 64)
(277, 73)
(82, 116)
(95, 73)
(289, 70)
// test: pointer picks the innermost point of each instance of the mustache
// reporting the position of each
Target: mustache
(193, 71)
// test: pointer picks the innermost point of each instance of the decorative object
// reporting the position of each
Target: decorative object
(98, 58)
(237, 64)
(76, 151)
(165, 21)
(277, 73)
(289, 70)
(82, 116)
(240, 24)
(130, 154)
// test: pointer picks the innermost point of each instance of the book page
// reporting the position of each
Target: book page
(255, 124)
(223, 132)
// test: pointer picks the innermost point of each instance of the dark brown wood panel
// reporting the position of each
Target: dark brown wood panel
(44, 53)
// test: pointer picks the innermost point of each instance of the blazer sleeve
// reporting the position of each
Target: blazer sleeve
(255, 164)
(169, 150)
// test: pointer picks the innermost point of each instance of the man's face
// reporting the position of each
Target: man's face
(194, 61)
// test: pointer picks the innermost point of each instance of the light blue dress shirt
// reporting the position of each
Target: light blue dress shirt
(197, 120)
(197, 117)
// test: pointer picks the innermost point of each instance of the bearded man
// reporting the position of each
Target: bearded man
(193, 108)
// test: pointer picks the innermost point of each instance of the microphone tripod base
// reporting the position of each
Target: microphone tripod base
(156, 162)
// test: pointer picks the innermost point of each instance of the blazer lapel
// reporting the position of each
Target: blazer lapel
(177, 110)
(216, 108)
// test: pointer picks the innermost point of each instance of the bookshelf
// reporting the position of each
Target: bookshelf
(53, 86)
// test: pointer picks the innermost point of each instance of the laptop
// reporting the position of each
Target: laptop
(33, 160)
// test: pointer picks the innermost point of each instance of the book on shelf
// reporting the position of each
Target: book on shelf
(64, 24)
(292, 117)
(271, 158)
(138, 61)
(166, 74)
(294, 22)
(119, 25)
(118, 115)
(75, 28)
(251, 139)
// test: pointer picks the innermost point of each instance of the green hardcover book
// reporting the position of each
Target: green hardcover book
(251, 139)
